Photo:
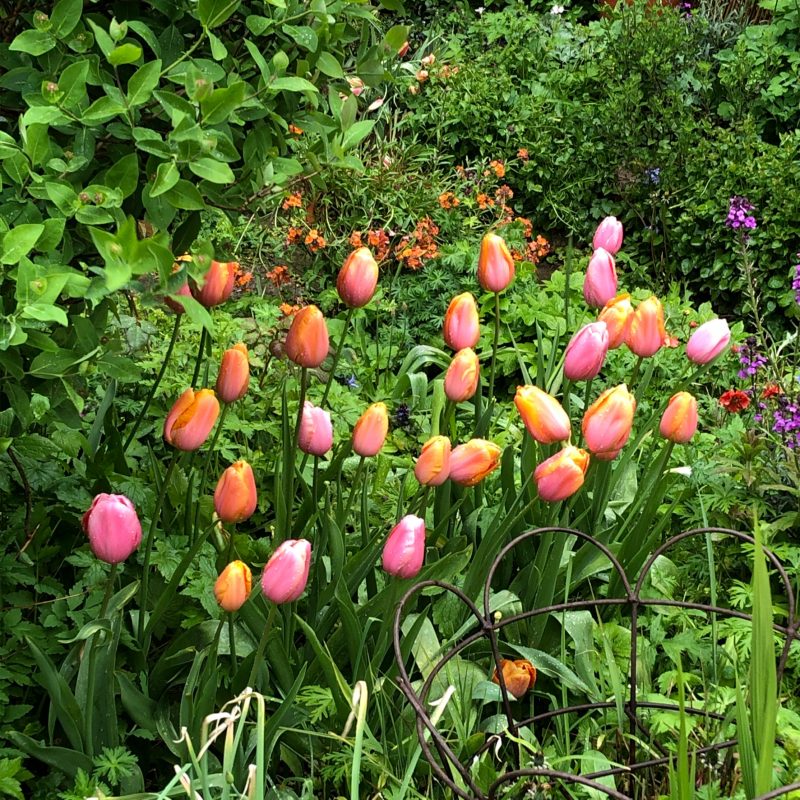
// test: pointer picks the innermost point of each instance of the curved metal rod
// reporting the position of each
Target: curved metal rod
(779, 792)
(553, 773)
(438, 770)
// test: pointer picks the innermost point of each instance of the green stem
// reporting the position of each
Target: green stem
(635, 373)
(336, 356)
(262, 644)
(206, 464)
(199, 360)
(353, 490)
(232, 641)
(495, 345)
(154, 387)
(567, 273)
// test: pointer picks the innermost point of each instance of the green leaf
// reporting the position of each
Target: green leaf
(293, 85)
(218, 49)
(552, 667)
(305, 36)
(65, 16)
(185, 195)
(214, 12)
(258, 25)
(43, 115)
(73, 83)
(45, 312)
(143, 82)
(167, 175)
(124, 174)
(61, 758)
(33, 42)
(52, 235)
(19, 241)
(329, 65)
(218, 106)
(396, 37)
(102, 110)
(211, 170)
(124, 54)
(357, 132)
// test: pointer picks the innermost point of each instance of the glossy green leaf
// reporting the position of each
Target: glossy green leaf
(214, 12)
(143, 82)
(18, 242)
(167, 175)
(65, 16)
(329, 65)
(125, 54)
(33, 42)
(211, 170)
(218, 106)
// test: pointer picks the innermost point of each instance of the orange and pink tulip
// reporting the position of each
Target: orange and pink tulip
(234, 374)
(542, 414)
(433, 465)
(462, 376)
(370, 431)
(235, 497)
(561, 475)
(679, 421)
(307, 342)
(646, 331)
(191, 419)
(358, 277)
(608, 421)
(471, 462)
(617, 314)
(461, 322)
(495, 264)
(217, 284)
(232, 587)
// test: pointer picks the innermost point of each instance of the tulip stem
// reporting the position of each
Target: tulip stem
(162, 492)
(567, 275)
(495, 345)
(200, 354)
(336, 355)
(262, 645)
(424, 502)
(154, 387)
(232, 642)
(637, 367)
(353, 490)
(206, 464)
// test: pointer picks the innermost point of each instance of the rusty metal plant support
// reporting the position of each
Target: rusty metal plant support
(445, 763)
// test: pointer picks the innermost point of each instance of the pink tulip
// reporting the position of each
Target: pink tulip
(586, 352)
(600, 284)
(404, 550)
(463, 374)
(461, 322)
(495, 264)
(358, 278)
(608, 235)
(471, 462)
(708, 341)
(316, 431)
(561, 475)
(679, 421)
(433, 465)
(370, 431)
(608, 421)
(286, 573)
(113, 527)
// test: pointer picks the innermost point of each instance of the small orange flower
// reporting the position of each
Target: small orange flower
(294, 235)
(278, 276)
(527, 226)
(537, 249)
(734, 401)
(288, 310)
(295, 130)
(294, 200)
(771, 390)
(241, 277)
(503, 194)
(448, 200)
(484, 201)
(499, 168)
(522, 154)
(355, 239)
(519, 676)
(378, 240)
(314, 240)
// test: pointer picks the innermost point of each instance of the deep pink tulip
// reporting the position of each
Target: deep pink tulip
(286, 573)
(608, 235)
(586, 352)
(113, 527)
(461, 322)
(679, 421)
(316, 430)
(404, 550)
(462, 376)
(191, 419)
(608, 421)
(708, 341)
(600, 284)
(370, 431)
(561, 475)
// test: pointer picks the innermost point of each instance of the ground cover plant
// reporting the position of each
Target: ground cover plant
(277, 340)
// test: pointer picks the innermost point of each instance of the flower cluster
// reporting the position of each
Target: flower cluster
(752, 361)
(419, 246)
(448, 200)
(739, 215)
(786, 421)
(796, 282)
(734, 401)
(377, 239)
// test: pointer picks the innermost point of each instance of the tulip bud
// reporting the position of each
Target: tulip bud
(708, 341)
(370, 431)
(433, 465)
(191, 419)
(184, 290)
(307, 340)
(518, 676)
(542, 414)
(608, 235)
(235, 497)
(217, 284)
(679, 421)
(495, 264)
(470, 463)
(561, 475)
(113, 527)
(617, 316)
(404, 550)
(358, 278)
(461, 378)
(600, 284)
(316, 430)
(233, 585)
(586, 352)
(461, 323)
(608, 421)
(234, 374)
(403, 49)
(286, 573)
(356, 85)
(646, 332)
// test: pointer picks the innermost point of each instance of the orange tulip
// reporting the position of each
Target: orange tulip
(470, 463)
(646, 331)
(542, 414)
(235, 497)
(433, 465)
(307, 340)
(495, 264)
(461, 322)
(461, 379)
(234, 374)
(608, 421)
(191, 419)
(358, 278)
(370, 431)
(217, 284)
(617, 316)
(519, 676)
(183, 291)
(561, 475)
(679, 422)
(233, 585)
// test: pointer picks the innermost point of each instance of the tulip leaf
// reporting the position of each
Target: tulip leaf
(272, 728)
(61, 758)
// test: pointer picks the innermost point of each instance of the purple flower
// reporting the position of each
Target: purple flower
(739, 215)
(796, 282)
(786, 421)
(750, 358)
(653, 174)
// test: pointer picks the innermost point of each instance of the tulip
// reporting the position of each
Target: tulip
(600, 284)
(608, 421)
(307, 340)
(708, 341)
(286, 573)
(232, 587)
(316, 431)
(370, 431)
(113, 527)
(470, 463)
(617, 316)
(461, 323)
(608, 235)
(234, 374)
(679, 421)
(235, 497)
(518, 676)
(358, 278)
(184, 290)
(542, 414)
(561, 475)
(433, 465)
(217, 284)
(586, 352)
(495, 264)
(404, 550)
(461, 379)
(646, 332)
(191, 419)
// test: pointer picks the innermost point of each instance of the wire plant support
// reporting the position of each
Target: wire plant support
(632, 764)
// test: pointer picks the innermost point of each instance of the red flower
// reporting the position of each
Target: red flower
(771, 390)
(734, 401)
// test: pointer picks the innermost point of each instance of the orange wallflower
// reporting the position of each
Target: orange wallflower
(314, 240)
(294, 200)
(448, 200)
(288, 310)
(499, 168)
(537, 249)
(527, 226)
(416, 248)
(522, 154)
(279, 275)
(242, 278)
(503, 194)
(483, 200)
(294, 235)
(379, 242)
(295, 130)
(355, 239)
